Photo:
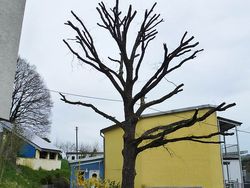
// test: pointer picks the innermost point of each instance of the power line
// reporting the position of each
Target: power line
(96, 98)
(85, 96)
(244, 131)
(116, 100)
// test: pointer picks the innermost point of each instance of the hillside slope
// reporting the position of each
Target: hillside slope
(24, 177)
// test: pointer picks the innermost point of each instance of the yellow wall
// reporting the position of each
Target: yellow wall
(190, 163)
(113, 158)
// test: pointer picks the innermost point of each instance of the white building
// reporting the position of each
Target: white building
(11, 18)
(233, 174)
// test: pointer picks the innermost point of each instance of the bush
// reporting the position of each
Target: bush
(113, 184)
(61, 183)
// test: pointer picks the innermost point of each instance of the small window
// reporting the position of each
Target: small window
(43, 154)
(52, 156)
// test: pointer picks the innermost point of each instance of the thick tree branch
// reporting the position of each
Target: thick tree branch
(100, 69)
(111, 118)
(162, 131)
(160, 100)
(81, 58)
(85, 40)
(184, 60)
(164, 69)
(120, 72)
(113, 23)
(145, 35)
(88, 41)
(193, 138)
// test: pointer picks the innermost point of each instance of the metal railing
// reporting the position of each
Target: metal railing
(230, 148)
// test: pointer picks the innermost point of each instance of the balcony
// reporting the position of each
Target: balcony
(230, 152)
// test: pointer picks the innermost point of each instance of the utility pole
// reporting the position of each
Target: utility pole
(238, 148)
(76, 142)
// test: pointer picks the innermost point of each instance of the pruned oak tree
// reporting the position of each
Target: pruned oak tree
(126, 76)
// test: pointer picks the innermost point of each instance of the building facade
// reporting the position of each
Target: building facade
(232, 166)
(180, 164)
(39, 157)
(84, 168)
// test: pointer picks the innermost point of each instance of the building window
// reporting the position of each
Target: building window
(52, 156)
(43, 154)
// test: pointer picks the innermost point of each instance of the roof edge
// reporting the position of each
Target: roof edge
(7, 125)
(164, 113)
(178, 110)
(89, 159)
(226, 120)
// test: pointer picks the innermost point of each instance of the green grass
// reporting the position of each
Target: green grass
(24, 177)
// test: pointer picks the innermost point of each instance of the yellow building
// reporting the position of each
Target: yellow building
(181, 164)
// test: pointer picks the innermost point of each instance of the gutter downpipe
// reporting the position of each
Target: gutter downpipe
(102, 135)
(227, 163)
(221, 155)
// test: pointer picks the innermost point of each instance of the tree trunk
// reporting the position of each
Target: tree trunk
(129, 159)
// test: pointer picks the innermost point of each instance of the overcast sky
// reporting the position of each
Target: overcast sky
(220, 73)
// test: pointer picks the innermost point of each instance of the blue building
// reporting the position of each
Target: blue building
(86, 166)
(35, 152)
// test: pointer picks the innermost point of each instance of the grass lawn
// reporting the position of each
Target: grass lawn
(24, 177)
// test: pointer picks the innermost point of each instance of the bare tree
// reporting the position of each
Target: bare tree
(30, 111)
(71, 147)
(84, 150)
(89, 148)
(66, 146)
(126, 76)
(31, 101)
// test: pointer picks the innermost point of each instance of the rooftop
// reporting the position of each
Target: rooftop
(33, 139)
(87, 159)
(225, 124)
